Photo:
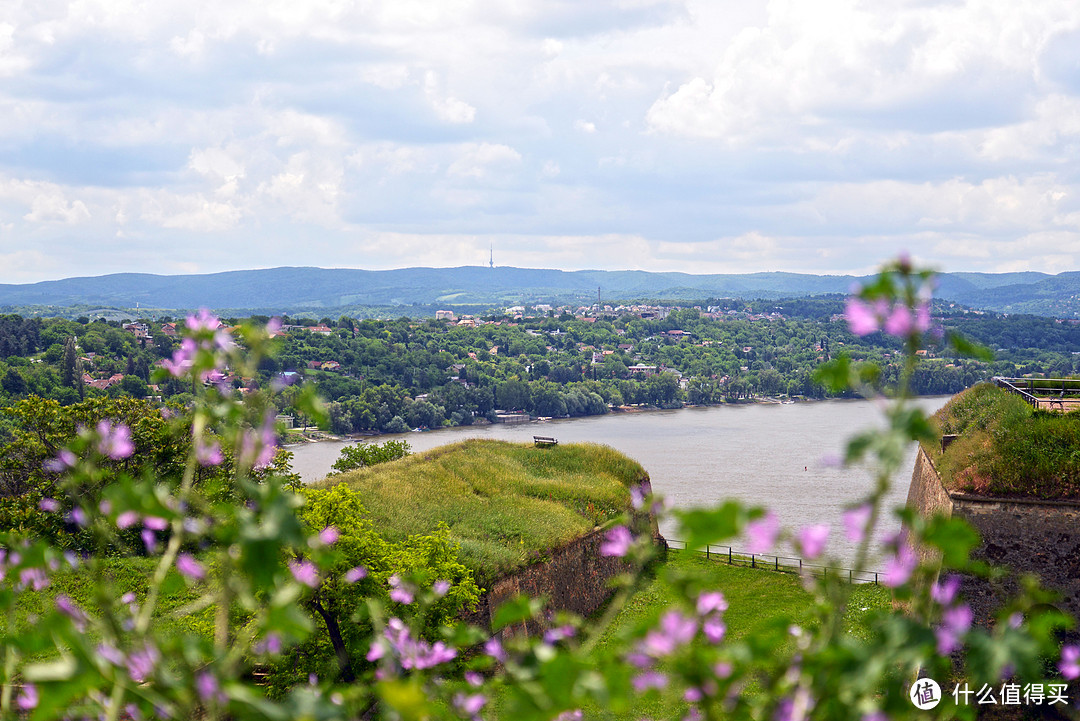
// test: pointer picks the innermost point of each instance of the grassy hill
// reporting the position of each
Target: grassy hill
(1006, 448)
(505, 503)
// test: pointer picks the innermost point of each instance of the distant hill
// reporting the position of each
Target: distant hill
(289, 289)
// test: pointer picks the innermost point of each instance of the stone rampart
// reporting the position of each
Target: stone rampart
(1028, 536)
(572, 578)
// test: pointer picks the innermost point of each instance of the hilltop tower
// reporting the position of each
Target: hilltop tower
(491, 256)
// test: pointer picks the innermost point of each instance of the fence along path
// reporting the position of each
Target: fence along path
(784, 564)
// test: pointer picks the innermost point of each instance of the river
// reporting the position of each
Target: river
(762, 454)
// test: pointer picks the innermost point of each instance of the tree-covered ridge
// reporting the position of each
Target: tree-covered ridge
(392, 375)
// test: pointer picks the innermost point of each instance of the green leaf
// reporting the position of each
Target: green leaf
(969, 348)
(954, 537)
(835, 374)
(700, 526)
(516, 610)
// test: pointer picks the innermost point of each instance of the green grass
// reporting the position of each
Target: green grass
(505, 503)
(759, 602)
(1006, 448)
(121, 576)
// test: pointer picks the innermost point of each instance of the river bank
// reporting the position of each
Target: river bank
(776, 455)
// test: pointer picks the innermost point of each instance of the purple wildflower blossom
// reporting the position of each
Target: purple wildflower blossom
(710, 601)
(78, 517)
(637, 496)
(140, 664)
(693, 694)
(440, 588)
(674, 631)
(723, 669)
(470, 704)
(493, 648)
(900, 321)
(149, 539)
(812, 540)
(111, 654)
(208, 454)
(189, 567)
(855, 522)
(33, 578)
(49, 505)
(329, 535)
(898, 568)
(649, 679)
(376, 651)
(355, 574)
(474, 679)
(616, 542)
(271, 644)
(762, 533)
(304, 572)
(64, 460)
(114, 441)
(944, 593)
(155, 523)
(1070, 662)
(66, 606)
(28, 697)
(955, 622)
(714, 629)
(203, 320)
(208, 688)
(575, 715)
(127, 519)
(861, 318)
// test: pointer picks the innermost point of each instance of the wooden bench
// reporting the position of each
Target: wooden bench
(545, 441)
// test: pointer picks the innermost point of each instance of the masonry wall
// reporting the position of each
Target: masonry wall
(574, 577)
(1028, 536)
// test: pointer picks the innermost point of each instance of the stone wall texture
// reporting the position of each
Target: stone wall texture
(573, 578)
(1039, 537)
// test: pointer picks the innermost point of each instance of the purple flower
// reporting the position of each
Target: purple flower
(762, 533)
(208, 454)
(616, 542)
(208, 688)
(28, 697)
(304, 572)
(440, 588)
(355, 574)
(376, 651)
(575, 715)
(127, 519)
(898, 568)
(922, 317)
(674, 631)
(649, 679)
(155, 523)
(723, 669)
(400, 592)
(78, 517)
(149, 539)
(183, 358)
(900, 321)
(270, 644)
(637, 496)
(141, 664)
(493, 648)
(189, 567)
(714, 629)
(855, 522)
(474, 679)
(203, 320)
(861, 318)
(64, 460)
(1070, 662)
(328, 536)
(114, 441)
(944, 593)
(33, 578)
(710, 601)
(49, 505)
(470, 704)
(693, 694)
(812, 540)
(554, 635)
(111, 654)
(955, 622)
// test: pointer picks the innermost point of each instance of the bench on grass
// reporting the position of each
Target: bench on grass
(545, 441)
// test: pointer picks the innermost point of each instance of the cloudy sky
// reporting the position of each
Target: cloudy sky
(179, 136)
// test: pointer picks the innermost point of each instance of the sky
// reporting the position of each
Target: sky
(712, 136)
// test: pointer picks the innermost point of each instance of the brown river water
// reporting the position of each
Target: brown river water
(762, 454)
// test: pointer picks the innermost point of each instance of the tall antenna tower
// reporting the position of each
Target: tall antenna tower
(599, 305)
(491, 256)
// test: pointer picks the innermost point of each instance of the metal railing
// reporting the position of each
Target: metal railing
(1042, 393)
(770, 562)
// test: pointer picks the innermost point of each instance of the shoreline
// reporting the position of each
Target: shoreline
(326, 436)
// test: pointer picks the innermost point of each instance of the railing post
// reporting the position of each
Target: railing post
(729, 555)
(707, 551)
(753, 561)
(777, 563)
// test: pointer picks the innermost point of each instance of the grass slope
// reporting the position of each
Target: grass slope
(505, 503)
(1006, 448)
